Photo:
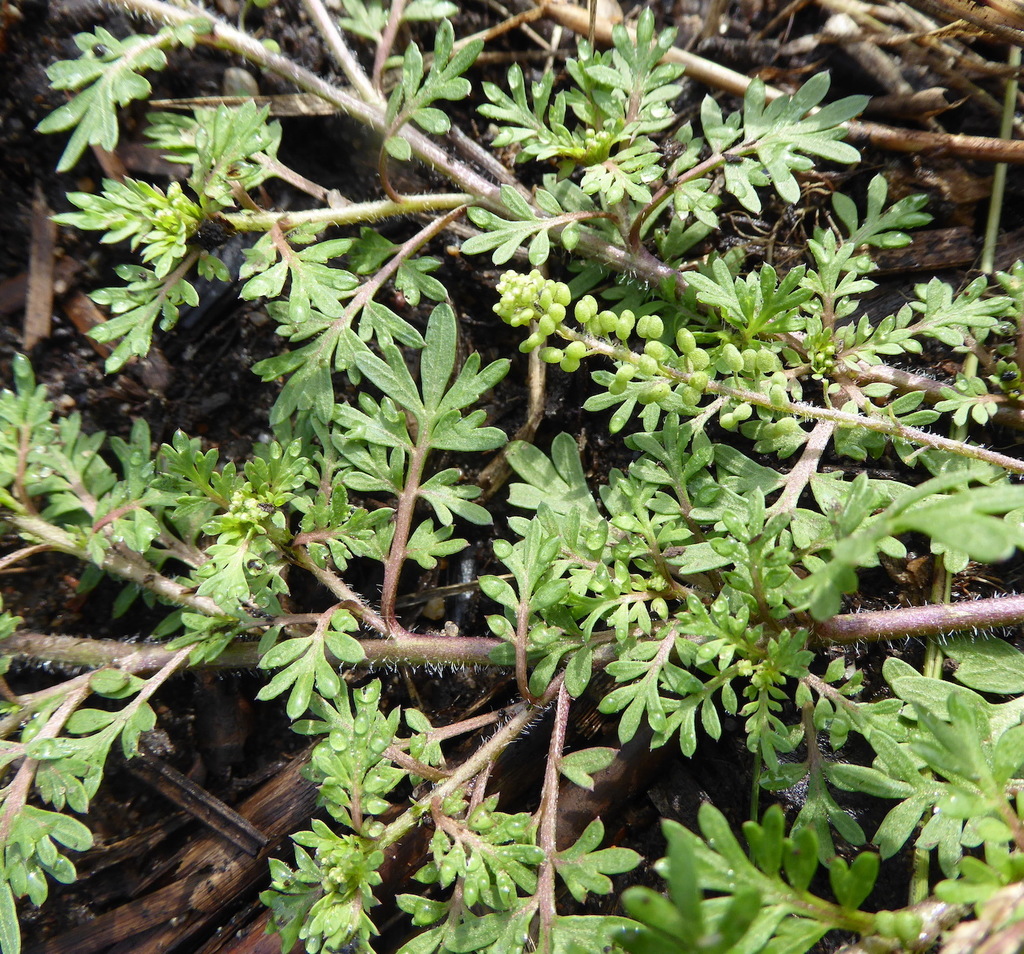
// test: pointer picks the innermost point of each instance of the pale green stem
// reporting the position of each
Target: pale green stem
(995, 207)
(547, 835)
(881, 425)
(355, 214)
(123, 563)
(343, 56)
(18, 791)
(524, 714)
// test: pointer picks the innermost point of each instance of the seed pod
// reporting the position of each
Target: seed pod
(685, 341)
(731, 357)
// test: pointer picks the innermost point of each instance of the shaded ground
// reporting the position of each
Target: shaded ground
(211, 729)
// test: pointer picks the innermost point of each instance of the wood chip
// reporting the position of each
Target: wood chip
(39, 294)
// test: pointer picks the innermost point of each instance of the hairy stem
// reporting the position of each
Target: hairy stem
(933, 619)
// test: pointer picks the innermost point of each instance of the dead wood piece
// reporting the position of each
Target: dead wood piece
(925, 103)
(39, 293)
(198, 802)
(211, 873)
(983, 148)
(85, 316)
(932, 250)
(631, 773)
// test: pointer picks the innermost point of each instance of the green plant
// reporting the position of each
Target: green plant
(703, 583)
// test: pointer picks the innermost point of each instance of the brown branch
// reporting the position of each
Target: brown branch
(931, 620)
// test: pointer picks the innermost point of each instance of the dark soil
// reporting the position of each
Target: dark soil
(198, 380)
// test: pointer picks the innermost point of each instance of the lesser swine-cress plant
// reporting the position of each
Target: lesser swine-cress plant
(704, 584)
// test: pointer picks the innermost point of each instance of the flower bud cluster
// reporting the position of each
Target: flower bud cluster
(531, 298)
(526, 298)
(597, 145)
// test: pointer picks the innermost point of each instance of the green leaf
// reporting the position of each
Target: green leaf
(584, 868)
(987, 664)
(10, 930)
(304, 665)
(852, 883)
(579, 766)
(107, 75)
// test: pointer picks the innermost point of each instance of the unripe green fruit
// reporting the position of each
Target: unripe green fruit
(624, 326)
(699, 380)
(650, 326)
(546, 325)
(586, 309)
(742, 412)
(569, 365)
(647, 365)
(767, 361)
(557, 312)
(551, 355)
(699, 360)
(654, 392)
(622, 377)
(575, 350)
(656, 350)
(788, 426)
(608, 321)
(728, 420)
(689, 396)
(685, 341)
(563, 296)
(731, 357)
(749, 360)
